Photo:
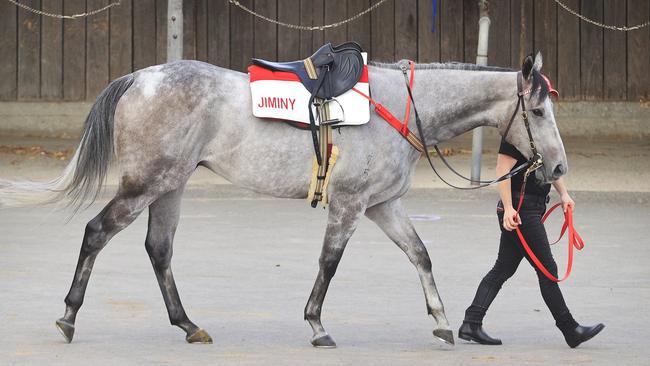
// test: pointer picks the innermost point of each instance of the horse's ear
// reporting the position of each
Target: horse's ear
(527, 66)
(538, 62)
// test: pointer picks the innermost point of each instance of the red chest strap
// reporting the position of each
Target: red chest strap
(401, 127)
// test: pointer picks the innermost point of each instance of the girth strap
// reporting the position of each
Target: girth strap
(312, 121)
(325, 146)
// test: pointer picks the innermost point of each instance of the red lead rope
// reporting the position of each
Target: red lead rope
(574, 241)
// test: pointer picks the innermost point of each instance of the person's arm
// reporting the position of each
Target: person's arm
(511, 219)
(561, 189)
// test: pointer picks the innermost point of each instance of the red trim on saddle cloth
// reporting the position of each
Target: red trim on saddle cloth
(260, 73)
(401, 127)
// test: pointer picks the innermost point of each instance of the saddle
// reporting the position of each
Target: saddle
(337, 68)
(328, 73)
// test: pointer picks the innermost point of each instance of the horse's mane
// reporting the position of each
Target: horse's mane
(539, 87)
(443, 66)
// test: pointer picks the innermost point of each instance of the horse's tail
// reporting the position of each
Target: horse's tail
(86, 172)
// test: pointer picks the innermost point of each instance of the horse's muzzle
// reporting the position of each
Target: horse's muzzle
(559, 171)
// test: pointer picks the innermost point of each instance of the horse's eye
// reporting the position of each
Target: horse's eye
(538, 112)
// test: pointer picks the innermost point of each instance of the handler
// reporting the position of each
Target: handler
(511, 252)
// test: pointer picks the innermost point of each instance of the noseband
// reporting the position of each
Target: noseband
(534, 163)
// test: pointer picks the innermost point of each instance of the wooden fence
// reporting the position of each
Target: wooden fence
(49, 59)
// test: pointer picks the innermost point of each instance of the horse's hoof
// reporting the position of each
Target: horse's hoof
(444, 335)
(200, 336)
(325, 341)
(66, 329)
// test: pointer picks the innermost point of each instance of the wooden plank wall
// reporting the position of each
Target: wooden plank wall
(50, 59)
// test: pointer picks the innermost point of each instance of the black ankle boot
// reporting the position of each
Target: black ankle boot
(579, 334)
(474, 332)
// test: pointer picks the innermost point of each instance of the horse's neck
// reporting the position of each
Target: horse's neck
(456, 101)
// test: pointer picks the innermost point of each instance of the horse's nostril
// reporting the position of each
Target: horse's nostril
(559, 170)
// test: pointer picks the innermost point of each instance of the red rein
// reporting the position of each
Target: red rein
(574, 241)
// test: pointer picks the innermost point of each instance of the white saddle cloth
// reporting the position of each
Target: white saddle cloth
(281, 95)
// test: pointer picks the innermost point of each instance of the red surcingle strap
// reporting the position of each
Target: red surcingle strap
(405, 127)
(401, 127)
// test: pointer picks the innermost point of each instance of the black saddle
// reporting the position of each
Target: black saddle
(328, 73)
(337, 68)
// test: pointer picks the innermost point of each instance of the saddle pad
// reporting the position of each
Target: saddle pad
(281, 95)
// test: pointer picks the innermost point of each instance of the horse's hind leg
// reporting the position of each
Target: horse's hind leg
(163, 220)
(118, 214)
(393, 220)
(341, 223)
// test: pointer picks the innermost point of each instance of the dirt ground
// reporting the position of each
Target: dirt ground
(245, 275)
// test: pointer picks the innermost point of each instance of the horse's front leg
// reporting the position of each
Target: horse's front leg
(341, 223)
(393, 220)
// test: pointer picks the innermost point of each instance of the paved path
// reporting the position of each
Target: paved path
(245, 266)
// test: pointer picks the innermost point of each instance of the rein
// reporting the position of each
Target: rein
(419, 143)
(534, 163)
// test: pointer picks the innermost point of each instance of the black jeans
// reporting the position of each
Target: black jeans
(511, 253)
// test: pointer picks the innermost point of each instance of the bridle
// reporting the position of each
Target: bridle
(534, 163)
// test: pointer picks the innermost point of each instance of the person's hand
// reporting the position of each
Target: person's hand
(567, 202)
(511, 218)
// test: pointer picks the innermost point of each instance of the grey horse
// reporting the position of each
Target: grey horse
(160, 123)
